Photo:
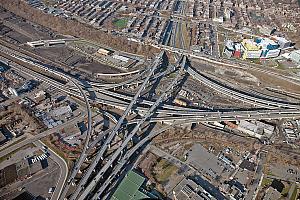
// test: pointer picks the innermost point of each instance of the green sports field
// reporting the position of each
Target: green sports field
(120, 23)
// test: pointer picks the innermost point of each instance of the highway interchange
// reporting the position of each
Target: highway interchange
(104, 169)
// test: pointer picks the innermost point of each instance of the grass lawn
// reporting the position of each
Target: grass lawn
(120, 23)
(280, 65)
(266, 182)
(294, 195)
(173, 75)
(285, 191)
(255, 60)
(49, 2)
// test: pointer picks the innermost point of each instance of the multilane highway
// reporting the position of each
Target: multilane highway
(86, 143)
(156, 64)
(121, 104)
(226, 90)
(147, 115)
(166, 113)
(176, 110)
(256, 100)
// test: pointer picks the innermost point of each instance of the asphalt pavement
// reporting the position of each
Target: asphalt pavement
(63, 170)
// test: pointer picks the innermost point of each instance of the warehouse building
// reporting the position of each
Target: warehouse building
(61, 111)
(189, 189)
(256, 128)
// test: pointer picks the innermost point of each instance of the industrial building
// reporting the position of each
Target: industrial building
(189, 189)
(236, 190)
(61, 111)
(120, 58)
(256, 129)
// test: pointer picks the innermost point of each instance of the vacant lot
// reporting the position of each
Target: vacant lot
(164, 170)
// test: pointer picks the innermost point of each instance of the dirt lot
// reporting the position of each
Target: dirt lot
(269, 80)
(207, 137)
(158, 170)
(95, 67)
(69, 57)
(19, 31)
(249, 79)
